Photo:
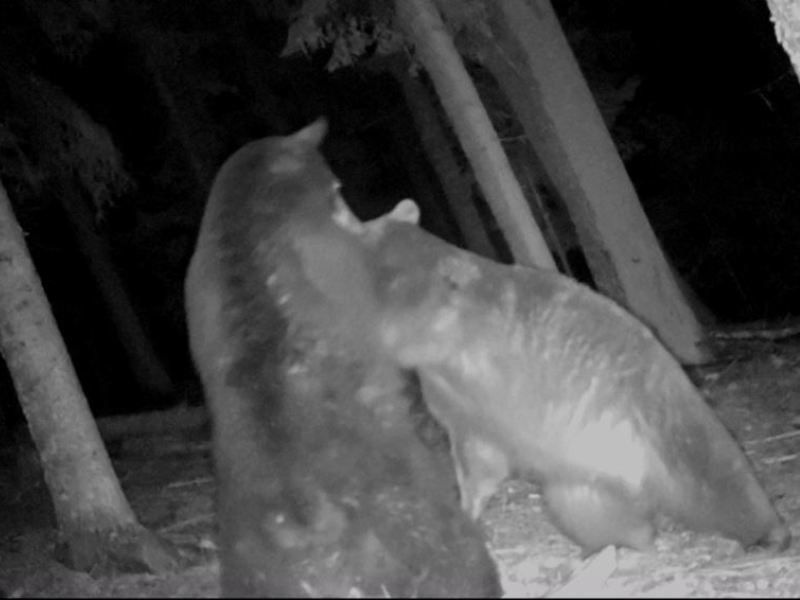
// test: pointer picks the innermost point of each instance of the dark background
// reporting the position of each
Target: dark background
(700, 99)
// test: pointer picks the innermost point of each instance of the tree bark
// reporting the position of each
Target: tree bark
(786, 18)
(457, 186)
(529, 56)
(524, 164)
(97, 526)
(422, 23)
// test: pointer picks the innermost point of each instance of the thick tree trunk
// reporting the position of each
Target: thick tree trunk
(422, 23)
(457, 186)
(531, 59)
(96, 523)
(786, 18)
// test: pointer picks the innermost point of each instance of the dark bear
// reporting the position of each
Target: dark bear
(330, 480)
(537, 376)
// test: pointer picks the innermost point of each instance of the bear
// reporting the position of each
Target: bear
(332, 478)
(537, 376)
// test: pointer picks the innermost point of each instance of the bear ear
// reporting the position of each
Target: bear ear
(292, 151)
(311, 136)
(406, 211)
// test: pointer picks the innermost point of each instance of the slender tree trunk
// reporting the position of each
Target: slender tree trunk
(142, 357)
(457, 186)
(531, 59)
(190, 138)
(97, 525)
(157, 59)
(403, 139)
(524, 164)
(421, 21)
(38, 96)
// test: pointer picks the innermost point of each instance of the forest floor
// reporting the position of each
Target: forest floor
(754, 388)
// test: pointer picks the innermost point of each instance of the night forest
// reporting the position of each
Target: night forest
(115, 116)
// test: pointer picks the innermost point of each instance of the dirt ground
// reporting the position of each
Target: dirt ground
(168, 479)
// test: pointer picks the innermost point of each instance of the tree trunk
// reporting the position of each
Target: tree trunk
(404, 140)
(524, 164)
(421, 21)
(529, 56)
(97, 526)
(142, 357)
(188, 135)
(154, 57)
(37, 97)
(786, 18)
(456, 185)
